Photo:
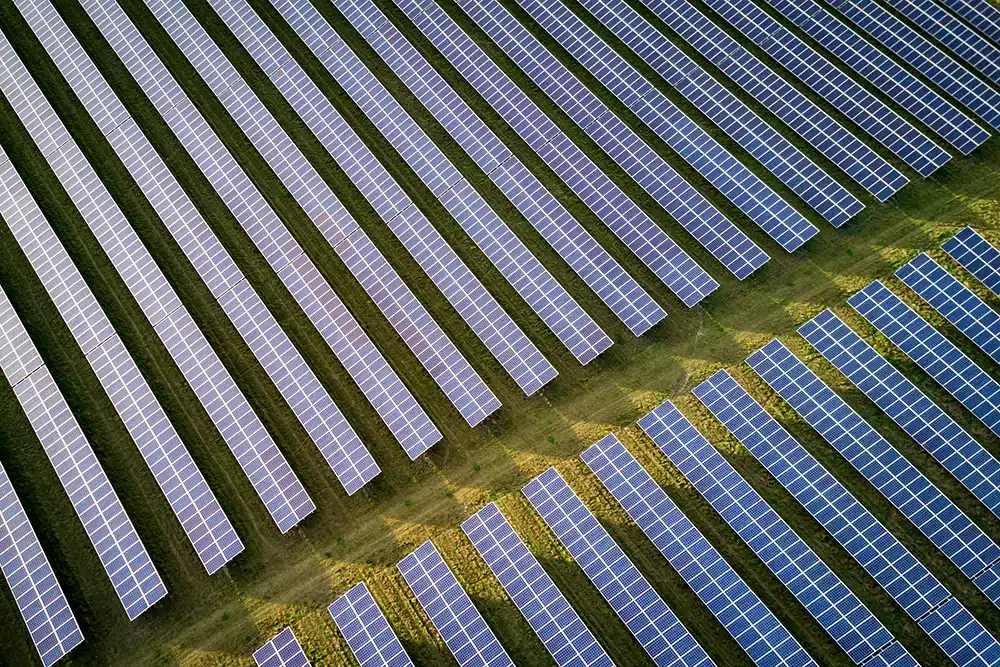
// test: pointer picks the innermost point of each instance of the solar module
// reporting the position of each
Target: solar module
(960, 635)
(643, 611)
(547, 611)
(282, 650)
(756, 199)
(726, 595)
(121, 552)
(416, 327)
(264, 464)
(620, 214)
(938, 356)
(977, 256)
(928, 425)
(956, 302)
(391, 399)
(763, 142)
(979, 13)
(809, 579)
(368, 634)
(697, 215)
(43, 606)
(460, 624)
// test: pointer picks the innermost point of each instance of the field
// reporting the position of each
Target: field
(291, 579)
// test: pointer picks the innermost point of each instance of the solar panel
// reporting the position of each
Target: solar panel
(726, 595)
(282, 650)
(436, 352)
(946, 526)
(768, 146)
(980, 13)
(928, 425)
(547, 611)
(43, 606)
(643, 611)
(368, 633)
(960, 635)
(364, 362)
(630, 224)
(884, 73)
(109, 528)
(751, 195)
(797, 566)
(697, 215)
(826, 79)
(215, 388)
(956, 302)
(460, 624)
(977, 255)
(938, 356)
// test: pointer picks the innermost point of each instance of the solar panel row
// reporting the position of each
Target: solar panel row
(283, 650)
(977, 255)
(697, 215)
(368, 634)
(644, 238)
(979, 13)
(379, 383)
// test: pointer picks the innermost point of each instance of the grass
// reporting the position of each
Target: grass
(290, 579)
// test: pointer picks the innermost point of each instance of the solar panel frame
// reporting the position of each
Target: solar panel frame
(977, 256)
(368, 633)
(282, 650)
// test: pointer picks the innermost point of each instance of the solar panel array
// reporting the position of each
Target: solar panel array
(550, 300)
(763, 142)
(934, 353)
(809, 579)
(764, 638)
(643, 611)
(381, 386)
(928, 425)
(977, 255)
(51, 624)
(109, 528)
(631, 225)
(956, 302)
(697, 215)
(368, 633)
(460, 624)
(547, 611)
(979, 13)
(283, 650)
(741, 186)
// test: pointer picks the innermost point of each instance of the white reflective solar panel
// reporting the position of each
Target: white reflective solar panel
(368, 633)
(977, 255)
(282, 650)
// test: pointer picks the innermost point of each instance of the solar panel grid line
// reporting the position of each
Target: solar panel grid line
(467, 635)
(817, 188)
(647, 168)
(495, 328)
(282, 650)
(674, 267)
(820, 591)
(49, 619)
(834, 85)
(558, 626)
(921, 54)
(980, 14)
(926, 423)
(933, 513)
(954, 301)
(935, 354)
(439, 356)
(977, 256)
(754, 627)
(368, 633)
(896, 82)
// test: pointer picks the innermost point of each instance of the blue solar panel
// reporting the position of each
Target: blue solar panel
(820, 591)
(768, 146)
(283, 650)
(726, 595)
(980, 13)
(368, 633)
(899, 398)
(697, 215)
(958, 538)
(547, 611)
(643, 611)
(977, 255)
(934, 353)
(956, 302)
(460, 624)
(961, 636)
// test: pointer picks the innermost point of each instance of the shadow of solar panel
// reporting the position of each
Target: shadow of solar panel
(977, 255)
(368, 633)
(281, 651)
